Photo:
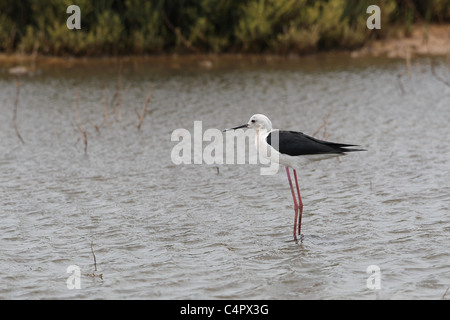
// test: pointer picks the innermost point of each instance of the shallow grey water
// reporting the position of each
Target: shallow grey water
(161, 231)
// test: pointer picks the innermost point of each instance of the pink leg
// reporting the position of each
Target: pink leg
(295, 202)
(300, 204)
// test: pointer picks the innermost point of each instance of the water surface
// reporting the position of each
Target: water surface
(161, 231)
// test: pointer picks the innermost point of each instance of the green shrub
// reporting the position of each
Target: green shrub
(115, 27)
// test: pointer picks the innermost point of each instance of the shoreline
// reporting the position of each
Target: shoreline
(425, 40)
(432, 40)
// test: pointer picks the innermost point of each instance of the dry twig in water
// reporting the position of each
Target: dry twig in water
(83, 134)
(324, 126)
(142, 115)
(95, 259)
(408, 62)
(119, 104)
(116, 101)
(118, 87)
(16, 102)
(433, 71)
(105, 111)
(95, 265)
(445, 293)
(96, 127)
(399, 81)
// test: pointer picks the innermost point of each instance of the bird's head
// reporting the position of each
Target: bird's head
(256, 122)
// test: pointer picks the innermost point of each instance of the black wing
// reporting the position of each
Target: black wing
(296, 143)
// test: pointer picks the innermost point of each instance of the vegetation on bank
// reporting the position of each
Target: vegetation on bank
(113, 27)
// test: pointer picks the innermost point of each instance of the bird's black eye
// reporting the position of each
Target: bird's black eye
(253, 121)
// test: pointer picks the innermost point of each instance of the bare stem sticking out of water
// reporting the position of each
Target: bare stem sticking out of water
(81, 131)
(96, 127)
(95, 265)
(433, 71)
(399, 81)
(117, 88)
(16, 102)
(116, 104)
(445, 293)
(105, 110)
(119, 104)
(116, 101)
(323, 126)
(95, 259)
(408, 62)
(408, 71)
(144, 111)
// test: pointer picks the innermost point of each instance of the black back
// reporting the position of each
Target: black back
(296, 143)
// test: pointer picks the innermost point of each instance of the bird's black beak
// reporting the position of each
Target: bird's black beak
(239, 127)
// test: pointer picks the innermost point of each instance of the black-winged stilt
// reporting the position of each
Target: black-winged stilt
(292, 149)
